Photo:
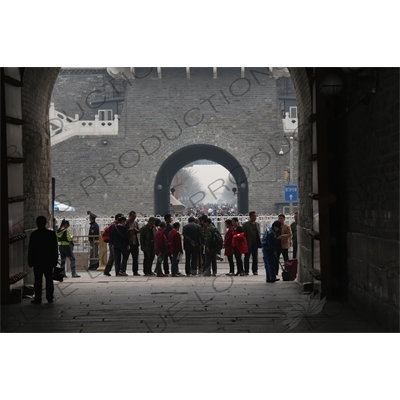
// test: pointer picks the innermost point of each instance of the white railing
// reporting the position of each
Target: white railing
(79, 226)
(63, 127)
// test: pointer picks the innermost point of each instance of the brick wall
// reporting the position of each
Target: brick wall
(36, 92)
(304, 138)
(242, 116)
(372, 193)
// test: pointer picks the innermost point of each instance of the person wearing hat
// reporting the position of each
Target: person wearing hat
(268, 244)
(94, 232)
(90, 214)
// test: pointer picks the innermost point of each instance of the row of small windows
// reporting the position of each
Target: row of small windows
(107, 115)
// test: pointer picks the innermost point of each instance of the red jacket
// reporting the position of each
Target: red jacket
(228, 242)
(239, 241)
(160, 243)
(174, 242)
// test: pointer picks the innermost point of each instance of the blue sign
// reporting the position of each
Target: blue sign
(291, 193)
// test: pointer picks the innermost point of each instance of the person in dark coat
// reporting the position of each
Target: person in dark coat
(147, 233)
(43, 257)
(94, 232)
(192, 244)
(269, 250)
(251, 230)
(120, 245)
(229, 251)
(160, 248)
(175, 248)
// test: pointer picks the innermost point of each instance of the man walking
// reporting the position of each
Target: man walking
(43, 257)
(252, 233)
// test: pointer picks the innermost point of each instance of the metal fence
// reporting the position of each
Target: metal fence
(79, 226)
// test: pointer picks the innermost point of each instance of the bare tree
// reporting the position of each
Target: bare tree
(186, 184)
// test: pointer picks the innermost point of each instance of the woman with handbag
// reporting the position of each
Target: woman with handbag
(66, 248)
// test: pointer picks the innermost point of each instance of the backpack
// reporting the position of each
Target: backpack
(106, 235)
(216, 240)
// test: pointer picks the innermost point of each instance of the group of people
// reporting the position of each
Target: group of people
(163, 241)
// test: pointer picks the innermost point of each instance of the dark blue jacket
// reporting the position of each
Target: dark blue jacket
(120, 236)
(268, 241)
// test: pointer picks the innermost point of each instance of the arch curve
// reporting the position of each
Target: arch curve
(192, 153)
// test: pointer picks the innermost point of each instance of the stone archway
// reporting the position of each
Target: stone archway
(192, 153)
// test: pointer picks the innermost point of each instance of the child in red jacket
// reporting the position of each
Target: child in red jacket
(239, 244)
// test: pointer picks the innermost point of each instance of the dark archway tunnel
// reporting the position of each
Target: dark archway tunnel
(186, 155)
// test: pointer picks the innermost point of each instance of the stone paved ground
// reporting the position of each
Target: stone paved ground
(96, 303)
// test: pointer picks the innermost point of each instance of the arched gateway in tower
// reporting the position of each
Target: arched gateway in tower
(237, 176)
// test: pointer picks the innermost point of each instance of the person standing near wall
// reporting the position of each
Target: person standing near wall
(66, 247)
(43, 257)
(293, 227)
(268, 244)
(283, 242)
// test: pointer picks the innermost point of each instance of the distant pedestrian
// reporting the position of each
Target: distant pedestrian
(293, 227)
(111, 259)
(94, 232)
(66, 247)
(175, 248)
(229, 250)
(252, 232)
(147, 233)
(193, 241)
(133, 229)
(43, 257)
(211, 251)
(283, 242)
(167, 230)
(160, 248)
(239, 244)
(269, 250)
(120, 245)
